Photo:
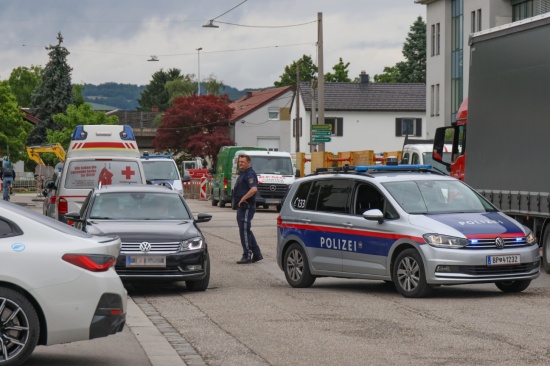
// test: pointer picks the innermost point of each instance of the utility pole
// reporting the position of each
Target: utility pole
(297, 96)
(321, 76)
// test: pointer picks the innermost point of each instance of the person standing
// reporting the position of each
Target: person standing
(7, 175)
(244, 194)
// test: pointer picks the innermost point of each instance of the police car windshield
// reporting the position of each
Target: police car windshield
(436, 197)
(158, 169)
(271, 165)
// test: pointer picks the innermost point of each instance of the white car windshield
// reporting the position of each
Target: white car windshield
(435, 197)
(272, 165)
(158, 169)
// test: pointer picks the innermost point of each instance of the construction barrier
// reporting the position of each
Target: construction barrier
(192, 189)
(202, 195)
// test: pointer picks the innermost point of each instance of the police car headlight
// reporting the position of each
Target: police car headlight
(192, 244)
(445, 241)
(530, 239)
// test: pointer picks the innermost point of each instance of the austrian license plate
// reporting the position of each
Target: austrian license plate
(145, 261)
(272, 200)
(496, 260)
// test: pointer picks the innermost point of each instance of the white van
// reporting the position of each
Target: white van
(421, 154)
(276, 173)
(98, 154)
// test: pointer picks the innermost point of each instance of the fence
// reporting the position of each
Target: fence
(192, 189)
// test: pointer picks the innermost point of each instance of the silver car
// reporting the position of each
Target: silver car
(403, 224)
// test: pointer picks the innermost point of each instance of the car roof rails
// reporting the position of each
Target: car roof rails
(366, 169)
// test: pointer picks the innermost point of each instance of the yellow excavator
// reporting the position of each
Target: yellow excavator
(35, 151)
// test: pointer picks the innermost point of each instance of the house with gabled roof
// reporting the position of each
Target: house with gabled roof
(262, 118)
(364, 115)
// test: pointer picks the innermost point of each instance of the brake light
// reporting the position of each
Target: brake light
(62, 206)
(91, 262)
(224, 183)
(279, 221)
(52, 200)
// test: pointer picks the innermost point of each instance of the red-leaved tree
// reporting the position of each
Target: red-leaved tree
(195, 126)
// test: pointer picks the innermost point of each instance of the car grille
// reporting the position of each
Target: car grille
(168, 247)
(272, 190)
(498, 270)
(491, 244)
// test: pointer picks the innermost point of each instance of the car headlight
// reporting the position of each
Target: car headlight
(445, 241)
(530, 239)
(192, 244)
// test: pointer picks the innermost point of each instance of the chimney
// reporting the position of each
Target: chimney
(364, 77)
(248, 94)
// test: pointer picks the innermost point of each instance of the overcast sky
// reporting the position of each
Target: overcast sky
(111, 40)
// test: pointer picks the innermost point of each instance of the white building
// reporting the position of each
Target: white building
(449, 24)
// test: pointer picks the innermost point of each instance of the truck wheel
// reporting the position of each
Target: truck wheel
(546, 250)
(513, 286)
(296, 267)
(279, 208)
(409, 276)
(214, 201)
(265, 206)
(19, 327)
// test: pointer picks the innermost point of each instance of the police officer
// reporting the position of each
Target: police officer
(244, 194)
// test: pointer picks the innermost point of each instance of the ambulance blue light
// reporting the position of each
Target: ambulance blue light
(79, 133)
(127, 133)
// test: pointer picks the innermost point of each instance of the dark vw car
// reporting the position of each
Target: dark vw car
(160, 238)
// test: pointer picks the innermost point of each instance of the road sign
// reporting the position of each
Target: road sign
(321, 139)
(321, 127)
(321, 133)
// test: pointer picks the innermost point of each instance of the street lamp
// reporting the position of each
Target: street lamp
(199, 63)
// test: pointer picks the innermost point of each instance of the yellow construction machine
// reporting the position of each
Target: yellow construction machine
(35, 151)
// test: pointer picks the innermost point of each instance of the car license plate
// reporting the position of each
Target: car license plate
(271, 200)
(146, 261)
(496, 260)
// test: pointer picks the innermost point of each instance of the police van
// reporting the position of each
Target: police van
(161, 169)
(406, 224)
(98, 154)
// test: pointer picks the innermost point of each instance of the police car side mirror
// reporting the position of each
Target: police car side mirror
(374, 215)
(203, 217)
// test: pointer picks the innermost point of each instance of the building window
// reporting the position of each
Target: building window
(433, 39)
(294, 127)
(479, 20)
(476, 21)
(438, 38)
(521, 9)
(432, 100)
(407, 126)
(437, 99)
(273, 114)
(337, 125)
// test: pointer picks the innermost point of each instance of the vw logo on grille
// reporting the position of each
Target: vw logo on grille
(272, 188)
(145, 246)
(499, 242)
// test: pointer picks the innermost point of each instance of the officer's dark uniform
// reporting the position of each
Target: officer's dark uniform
(245, 213)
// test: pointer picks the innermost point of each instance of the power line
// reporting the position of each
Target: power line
(228, 10)
(267, 26)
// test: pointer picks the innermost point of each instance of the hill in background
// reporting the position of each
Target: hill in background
(125, 96)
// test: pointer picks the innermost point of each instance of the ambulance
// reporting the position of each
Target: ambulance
(98, 154)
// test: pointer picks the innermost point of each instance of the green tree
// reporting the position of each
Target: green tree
(155, 93)
(308, 72)
(183, 86)
(212, 85)
(390, 75)
(413, 69)
(23, 82)
(340, 73)
(55, 92)
(13, 128)
(74, 116)
(77, 94)
(195, 126)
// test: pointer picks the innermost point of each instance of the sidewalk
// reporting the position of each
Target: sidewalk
(144, 334)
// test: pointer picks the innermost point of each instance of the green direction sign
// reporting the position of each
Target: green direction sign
(321, 139)
(321, 133)
(321, 127)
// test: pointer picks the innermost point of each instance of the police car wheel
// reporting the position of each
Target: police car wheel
(409, 275)
(546, 250)
(296, 267)
(200, 285)
(513, 286)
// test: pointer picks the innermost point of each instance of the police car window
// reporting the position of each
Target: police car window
(7, 230)
(300, 198)
(334, 196)
(367, 197)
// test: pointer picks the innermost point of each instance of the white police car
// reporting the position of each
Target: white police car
(406, 224)
(161, 169)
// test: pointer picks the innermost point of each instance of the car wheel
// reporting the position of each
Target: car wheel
(200, 285)
(296, 267)
(513, 286)
(214, 201)
(19, 327)
(409, 275)
(546, 250)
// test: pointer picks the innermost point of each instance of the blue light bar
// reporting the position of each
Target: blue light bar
(417, 167)
(147, 156)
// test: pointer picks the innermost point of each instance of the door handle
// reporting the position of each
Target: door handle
(347, 224)
(305, 220)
